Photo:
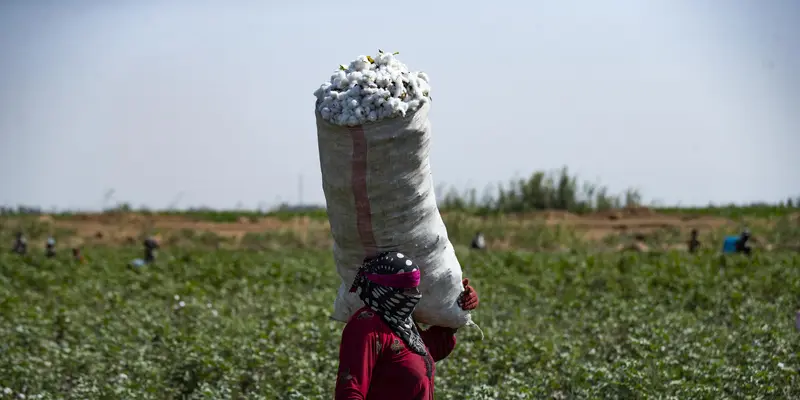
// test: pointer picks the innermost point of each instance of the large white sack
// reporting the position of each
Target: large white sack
(379, 193)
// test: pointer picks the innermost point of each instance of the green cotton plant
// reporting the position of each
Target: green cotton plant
(237, 324)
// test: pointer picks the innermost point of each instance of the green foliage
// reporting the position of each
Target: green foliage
(542, 190)
(557, 190)
(254, 325)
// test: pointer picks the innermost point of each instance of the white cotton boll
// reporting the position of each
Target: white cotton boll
(360, 63)
(403, 107)
(325, 87)
(383, 80)
(370, 76)
(367, 103)
(326, 113)
(355, 76)
(398, 89)
(424, 87)
(413, 87)
(337, 82)
(382, 58)
(371, 91)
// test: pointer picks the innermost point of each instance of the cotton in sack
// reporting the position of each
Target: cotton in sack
(379, 193)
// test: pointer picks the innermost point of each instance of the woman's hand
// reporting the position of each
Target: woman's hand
(469, 297)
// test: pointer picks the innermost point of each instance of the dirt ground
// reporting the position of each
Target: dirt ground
(126, 228)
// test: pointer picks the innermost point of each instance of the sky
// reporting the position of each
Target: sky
(210, 103)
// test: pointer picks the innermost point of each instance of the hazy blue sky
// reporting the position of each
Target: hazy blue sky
(691, 101)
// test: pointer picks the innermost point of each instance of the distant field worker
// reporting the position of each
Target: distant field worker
(150, 247)
(478, 242)
(50, 248)
(77, 256)
(737, 244)
(20, 244)
(693, 244)
(383, 353)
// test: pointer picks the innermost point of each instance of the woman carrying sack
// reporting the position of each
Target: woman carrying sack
(383, 353)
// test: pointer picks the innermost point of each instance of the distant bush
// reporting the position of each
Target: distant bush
(559, 190)
(542, 190)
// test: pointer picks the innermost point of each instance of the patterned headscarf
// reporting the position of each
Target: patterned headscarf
(382, 280)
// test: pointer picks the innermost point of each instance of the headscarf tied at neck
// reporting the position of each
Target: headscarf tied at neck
(383, 280)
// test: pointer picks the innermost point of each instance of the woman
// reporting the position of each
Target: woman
(737, 244)
(383, 354)
(77, 256)
(50, 248)
(20, 244)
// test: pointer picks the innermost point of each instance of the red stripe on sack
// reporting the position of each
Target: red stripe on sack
(359, 183)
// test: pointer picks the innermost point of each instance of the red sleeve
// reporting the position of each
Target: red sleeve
(358, 353)
(440, 341)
